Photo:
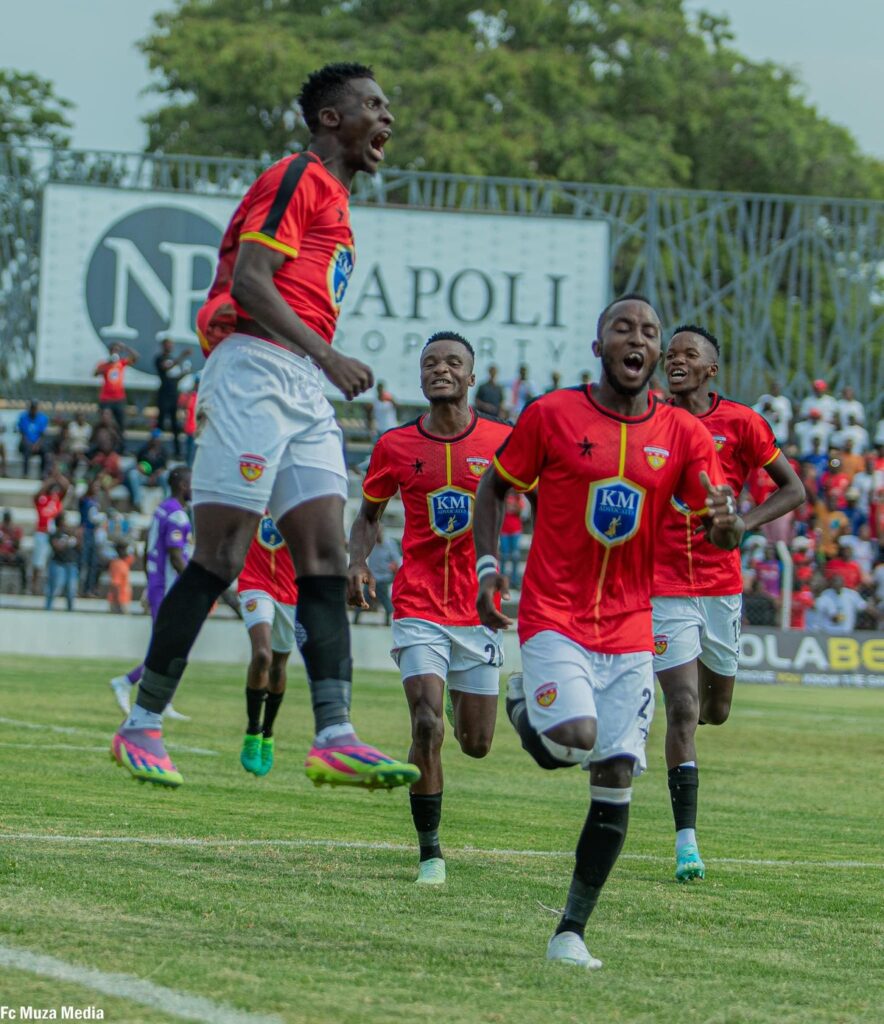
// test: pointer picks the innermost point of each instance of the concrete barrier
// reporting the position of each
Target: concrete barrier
(62, 634)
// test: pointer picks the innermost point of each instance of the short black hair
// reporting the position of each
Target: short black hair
(702, 331)
(451, 336)
(629, 297)
(325, 87)
(176, 476)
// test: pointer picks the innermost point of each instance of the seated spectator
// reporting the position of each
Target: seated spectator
(848, 405)
(759, 608)
(807, 430)
(104, 463)
(106, 424)
(857, 517)
(149, 469)
(816, 455)
(64, 563)
(48, 501)
(863, 483)
(79, 433)
(768, 572)
(838, 606)
(91, 517)
(10, 548)
(831, 522)
(851, 462)
(32, 426)
(843, 565)
(776, 408)
(836, 482)
(853, 434)
(862, 549)
(119, 591)
(878, 580)
(820, 400)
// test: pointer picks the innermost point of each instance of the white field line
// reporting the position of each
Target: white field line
(73, 730)
(126, 986)
(466, 851)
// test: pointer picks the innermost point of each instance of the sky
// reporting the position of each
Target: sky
(834, 45)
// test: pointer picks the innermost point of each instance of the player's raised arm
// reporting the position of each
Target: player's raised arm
(254, 290)
(487, 521)
(363, 537)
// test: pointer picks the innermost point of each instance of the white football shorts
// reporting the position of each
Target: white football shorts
(257, 607)
(564, 681)
(707, 628)
(266, 434)
(469, 657)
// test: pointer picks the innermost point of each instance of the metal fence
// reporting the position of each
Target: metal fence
(792, 285)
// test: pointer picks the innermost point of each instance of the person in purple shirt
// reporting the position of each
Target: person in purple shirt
(169, 544)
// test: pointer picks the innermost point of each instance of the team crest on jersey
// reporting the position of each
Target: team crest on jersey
(251, 604)
(546, 694)
(450, 510)
(661, 644)
(339, 270)
(656, 456)
(268, 535)
(614, 510)
(477, 464)
(720, 441)
(252, 466)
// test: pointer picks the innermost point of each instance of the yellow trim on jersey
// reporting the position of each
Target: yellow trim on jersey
(518, 484)
(777, 453)
(370, 497)
(621, 468)
(448, 464)
(448, 541)
(271, 243)
(598, 592)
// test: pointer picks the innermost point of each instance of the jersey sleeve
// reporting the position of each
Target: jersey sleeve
(282, 205)
(176, 530)
(763, 447)
(690, 494)
(520, 457)
(380, 483)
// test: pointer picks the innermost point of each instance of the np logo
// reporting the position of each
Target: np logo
(251, 466)
(656, 456)
(614, 510)
(546, 694)
(268, 535)
(477, 465)
(720, 441)
(339, 271)
(450, 510)
(661, 645)
(148, 276)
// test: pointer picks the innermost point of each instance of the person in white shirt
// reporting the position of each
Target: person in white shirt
(837, 608)
(862, 550)
(878, 582)
(849, 405)
(854, 432)
(813, 427)
(820, 399)
(382, 412)
(879, 433)
(776, 408)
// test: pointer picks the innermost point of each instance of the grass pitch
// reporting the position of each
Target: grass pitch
(286, 901)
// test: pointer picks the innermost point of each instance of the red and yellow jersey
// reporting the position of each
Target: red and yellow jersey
(604, 481)
(301, 210)
(437, 478)
(113, 384)
(268, 566)
(687, 564)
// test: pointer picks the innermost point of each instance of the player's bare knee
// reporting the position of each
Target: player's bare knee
(427, 729)
(474, 744)
(262, 658)
(615, 773)
(716, 712)
(580, 733)
(682, 708)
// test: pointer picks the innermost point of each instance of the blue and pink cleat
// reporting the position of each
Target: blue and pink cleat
(349, 762)
(141, 751)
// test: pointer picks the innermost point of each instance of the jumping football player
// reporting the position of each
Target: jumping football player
(435, 462)
(608, 458)
(267, 436)
(698, 588)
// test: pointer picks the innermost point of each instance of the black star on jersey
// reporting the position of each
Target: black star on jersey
(586, 446)
(418, 465)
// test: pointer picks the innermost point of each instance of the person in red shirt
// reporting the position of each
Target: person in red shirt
(698, 588)
(49, 502)
(435, 463)
(10, 548)
(268, 439)
(609, 458)
(845, 566)
(113, 381)
(510, 535)
(268, 599)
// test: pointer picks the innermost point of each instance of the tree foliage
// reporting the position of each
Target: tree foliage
(628, 93)
(30, 111)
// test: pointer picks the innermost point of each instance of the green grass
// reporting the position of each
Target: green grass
(322, 933)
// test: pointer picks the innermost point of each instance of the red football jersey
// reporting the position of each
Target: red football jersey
(686, 563)
(113, 385)
(300, 209)
(268, 566)
(604, 483)
(437, 478)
